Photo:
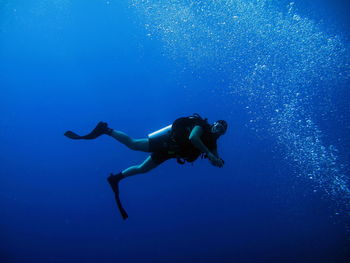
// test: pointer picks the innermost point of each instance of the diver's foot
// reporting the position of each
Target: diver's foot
(102, 128)
(114, 180)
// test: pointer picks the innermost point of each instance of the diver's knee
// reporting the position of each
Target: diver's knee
(142, 169)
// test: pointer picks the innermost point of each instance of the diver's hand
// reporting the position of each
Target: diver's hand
(215, 160)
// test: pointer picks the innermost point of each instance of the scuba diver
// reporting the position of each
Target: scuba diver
(186, 139)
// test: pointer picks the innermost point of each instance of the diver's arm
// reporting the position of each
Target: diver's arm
(215, 152)
(195, 139)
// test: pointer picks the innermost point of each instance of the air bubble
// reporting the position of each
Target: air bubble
(278, 64)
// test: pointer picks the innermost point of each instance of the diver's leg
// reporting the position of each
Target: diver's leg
(144, 167)
(133, 144)
(114, 180)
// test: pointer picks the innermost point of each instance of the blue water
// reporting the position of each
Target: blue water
(277, 71)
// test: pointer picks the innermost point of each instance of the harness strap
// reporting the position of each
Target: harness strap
(180, 160)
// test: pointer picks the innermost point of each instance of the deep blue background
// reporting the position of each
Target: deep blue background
(70, 66)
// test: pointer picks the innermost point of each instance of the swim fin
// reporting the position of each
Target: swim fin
(72, 135)
(113, 181)
(101, 128)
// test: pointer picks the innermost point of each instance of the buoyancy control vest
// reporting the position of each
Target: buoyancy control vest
(180, 132)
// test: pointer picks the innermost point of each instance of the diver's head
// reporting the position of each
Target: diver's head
(219, 127)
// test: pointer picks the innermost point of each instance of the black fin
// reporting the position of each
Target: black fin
(72, 135)
(113, 180)
(121, 209)
(101, 128)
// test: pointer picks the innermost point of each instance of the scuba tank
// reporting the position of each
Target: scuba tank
(162, 133)
(161, 140)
